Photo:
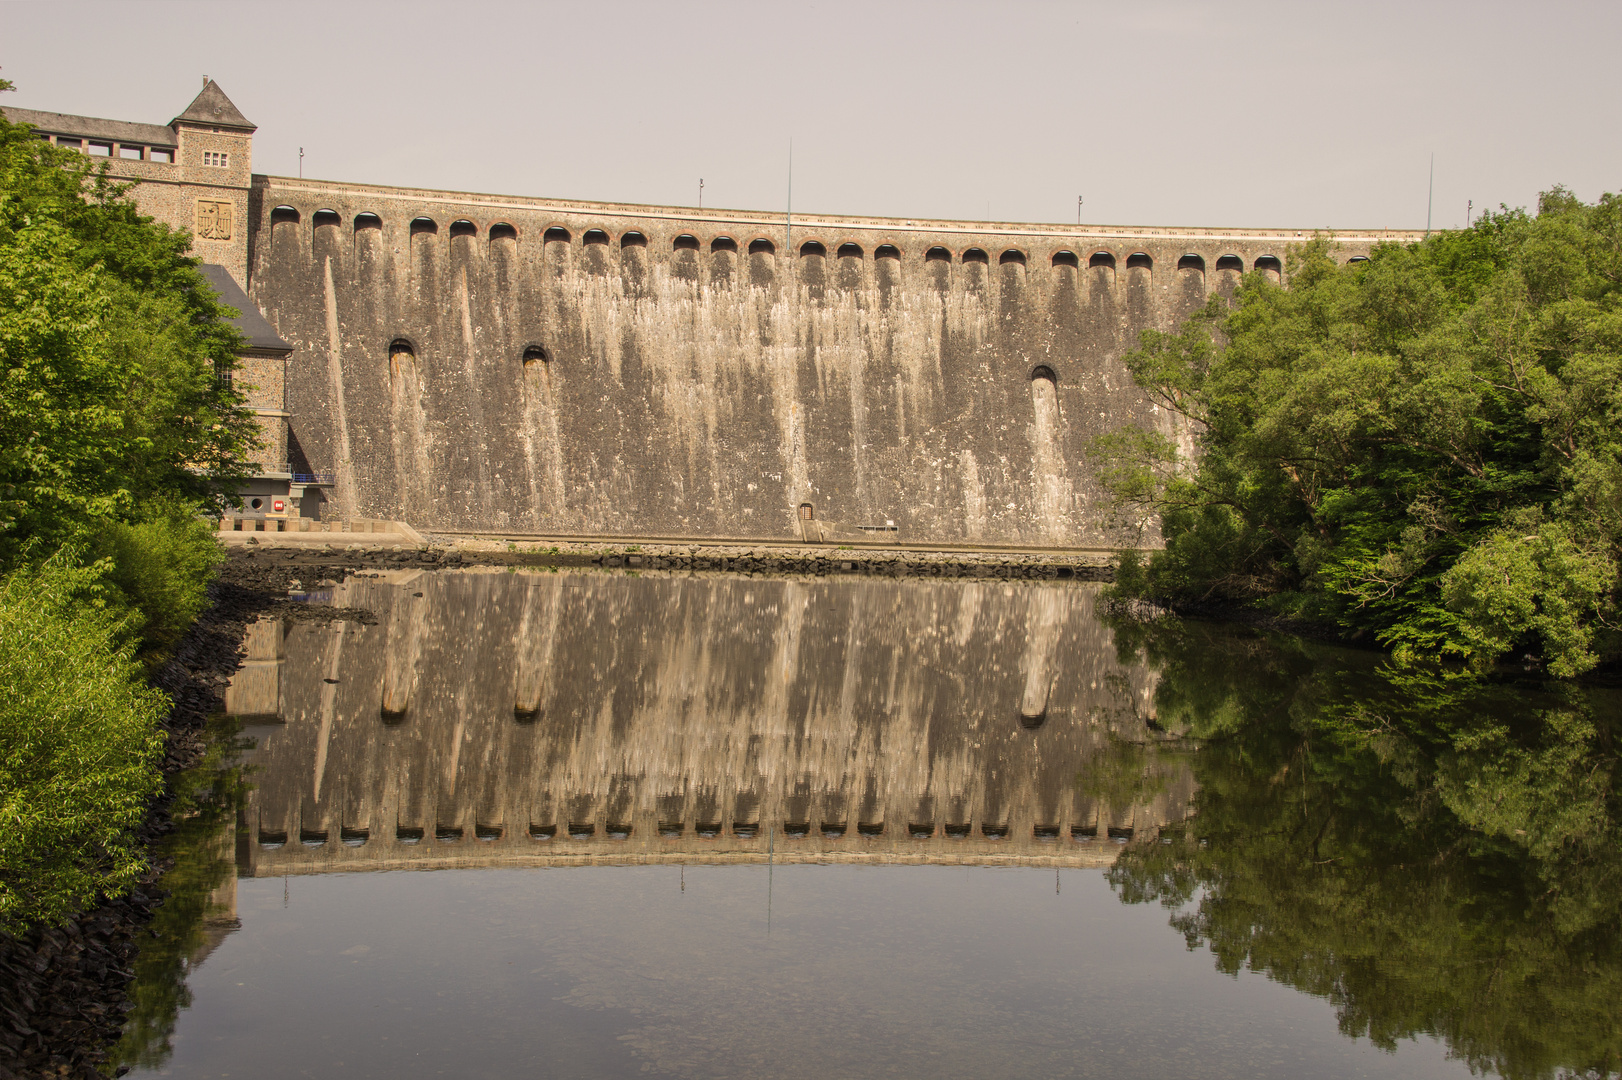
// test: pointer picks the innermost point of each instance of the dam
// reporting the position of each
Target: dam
(554, 367)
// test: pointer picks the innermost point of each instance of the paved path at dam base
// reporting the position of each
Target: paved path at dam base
(745, 556)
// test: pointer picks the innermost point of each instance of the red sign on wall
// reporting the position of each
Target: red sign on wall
(276, 505)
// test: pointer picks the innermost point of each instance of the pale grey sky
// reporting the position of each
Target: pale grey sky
(1236, 113)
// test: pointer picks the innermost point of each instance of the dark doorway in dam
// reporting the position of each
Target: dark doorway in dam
(367, 221)
(1231, 262)
(463, 227)
(1101, 258)
(887, 251)
(424, 226)
(594, 236)
(1269, 264)
(1191, 262)
(762, 246)
(685, 242)
(1139, 260)
(850, 251)
(1013, 256)
(813, 247)
(1066, 258)
(501, 230)
(1042, 371)
(535, 354)
(975, 255)
(937, 254)
(633, 239)
(325, 217)
(283, 215)
(723, 243)
(557, 234)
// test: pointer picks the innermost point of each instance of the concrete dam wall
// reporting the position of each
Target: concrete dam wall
(470, 362)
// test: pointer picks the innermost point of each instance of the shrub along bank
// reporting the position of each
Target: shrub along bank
(116, 433)
(1425, 447)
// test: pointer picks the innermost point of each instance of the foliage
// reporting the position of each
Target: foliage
(160, 566)
(116, 432)
(79, 744)
(1426, 446)
(111, 345)
(1436, 856)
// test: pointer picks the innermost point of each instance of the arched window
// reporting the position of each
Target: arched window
(325, 217)
(1042, 371)
(1066, 258)
(685, 242)
(1101, 258)
(1191, 261)
(633, 239)
(1139, 260)
(424, 225)
(1357, 259)
(813, 247)
(975, 255)
(1012, 255)
(501, 230)
(849, 251)
(367, 221)
(594, 236)
(283, 214)
(1269, 263)
(1231, 262)
(762, 246)
(723, 243)
(536, 354)
(887, 251)
(937, 254)
(556, 234)
(401, 350)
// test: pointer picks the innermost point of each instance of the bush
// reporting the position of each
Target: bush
(162, 565)
(79, 747)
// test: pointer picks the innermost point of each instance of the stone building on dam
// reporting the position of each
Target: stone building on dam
(554, 367)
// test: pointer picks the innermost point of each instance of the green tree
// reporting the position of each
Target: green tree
(1424, 446)
(111, 346)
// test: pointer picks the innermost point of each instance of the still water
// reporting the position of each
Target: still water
(598, 825)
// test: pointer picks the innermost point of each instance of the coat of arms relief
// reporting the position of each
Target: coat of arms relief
(214, 219)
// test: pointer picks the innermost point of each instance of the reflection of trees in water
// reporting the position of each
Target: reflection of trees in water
(199, 909)
(1433, 856)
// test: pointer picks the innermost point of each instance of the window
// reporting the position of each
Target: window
(129, 153)
(557, 234)
(937, 254)
(685, 242)
(887, 251)
(1065, 258)
(1012, 255)
(723, 243)
(69, 144)
(850, 251)
(975, 255)
(164, 155)
(503, 230)
(216, 158)
(813, 247)
(101, 149)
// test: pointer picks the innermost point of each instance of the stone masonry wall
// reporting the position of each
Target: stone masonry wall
(679, 383)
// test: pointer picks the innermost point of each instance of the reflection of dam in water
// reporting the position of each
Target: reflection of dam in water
(520, 718)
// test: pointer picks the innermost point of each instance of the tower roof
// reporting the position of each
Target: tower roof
(212, 107)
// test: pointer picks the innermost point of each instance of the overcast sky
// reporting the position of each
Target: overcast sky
(1234, 113)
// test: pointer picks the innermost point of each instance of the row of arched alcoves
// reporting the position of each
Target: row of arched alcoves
(404, 349)
(500, 230)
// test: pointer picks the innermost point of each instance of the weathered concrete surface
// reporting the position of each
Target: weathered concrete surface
(679, 384)
(576, 717)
